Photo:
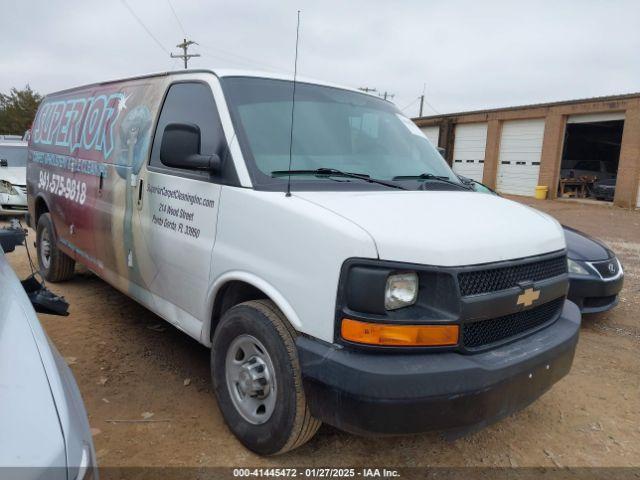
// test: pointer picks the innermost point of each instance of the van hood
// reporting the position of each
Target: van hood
(445, 228)
(14, 175)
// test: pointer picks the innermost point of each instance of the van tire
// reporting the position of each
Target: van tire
(291, 424)
(59, 266)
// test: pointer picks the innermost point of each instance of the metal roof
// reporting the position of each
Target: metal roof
(607, 98)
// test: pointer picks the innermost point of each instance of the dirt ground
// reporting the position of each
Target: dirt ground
(131, 365)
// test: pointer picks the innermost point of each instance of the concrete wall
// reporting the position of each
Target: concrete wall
(555, 115)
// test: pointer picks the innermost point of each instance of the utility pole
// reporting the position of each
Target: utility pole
(386, 95)
(185, 47)
(424, 87)
(367, 89)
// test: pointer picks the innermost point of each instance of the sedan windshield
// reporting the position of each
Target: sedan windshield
(333, 129)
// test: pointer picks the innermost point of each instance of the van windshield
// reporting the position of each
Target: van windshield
(11, 156)
(333, 129)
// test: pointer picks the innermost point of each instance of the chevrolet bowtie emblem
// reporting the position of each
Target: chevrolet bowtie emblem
(527, 297)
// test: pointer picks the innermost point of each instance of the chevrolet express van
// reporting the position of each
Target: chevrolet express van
(336, 266)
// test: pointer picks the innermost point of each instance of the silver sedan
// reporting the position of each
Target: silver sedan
(44, 431)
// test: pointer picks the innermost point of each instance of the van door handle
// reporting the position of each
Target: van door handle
(140, 185)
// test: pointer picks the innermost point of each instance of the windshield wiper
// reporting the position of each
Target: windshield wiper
(431, 176)
(328, 172)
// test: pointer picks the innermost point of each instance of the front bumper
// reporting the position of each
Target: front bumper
(13, 204)
(592, 294)
(378, 393)
(606, 194)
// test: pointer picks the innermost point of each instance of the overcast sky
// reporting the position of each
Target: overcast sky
(470, 54)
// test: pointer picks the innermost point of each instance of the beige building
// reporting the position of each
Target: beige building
(556, 144)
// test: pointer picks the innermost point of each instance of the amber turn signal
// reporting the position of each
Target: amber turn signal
(399, 335)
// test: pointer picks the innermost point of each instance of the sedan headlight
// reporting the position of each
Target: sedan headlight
(401, 290)
(6, 187)
(620, 271)
(576, 268)
(85, 469)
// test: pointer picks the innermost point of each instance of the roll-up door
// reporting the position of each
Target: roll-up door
(519, 159)
(432, 133)
(469, 145)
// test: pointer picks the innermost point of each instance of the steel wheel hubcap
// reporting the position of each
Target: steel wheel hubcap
(250, 379)
(45, 248)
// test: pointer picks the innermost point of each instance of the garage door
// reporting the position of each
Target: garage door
(519, 160)
(596, 117)
(432, 133)
(469, 144)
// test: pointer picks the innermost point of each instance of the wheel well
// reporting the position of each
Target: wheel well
(40, 208)
(230, 294)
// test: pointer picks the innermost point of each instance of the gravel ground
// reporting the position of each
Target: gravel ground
(131, 365)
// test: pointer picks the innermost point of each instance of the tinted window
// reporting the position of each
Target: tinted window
(193, 103)
(15, 156)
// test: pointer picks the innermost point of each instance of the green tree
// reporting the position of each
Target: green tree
(17, 110)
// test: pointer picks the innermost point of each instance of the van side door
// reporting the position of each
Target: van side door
(178, 208)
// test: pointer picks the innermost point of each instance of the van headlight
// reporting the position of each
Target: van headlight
(6, 187)
(401, 290)
(576, 268)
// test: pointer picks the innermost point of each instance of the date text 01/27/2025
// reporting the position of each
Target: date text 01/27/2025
(316, 472)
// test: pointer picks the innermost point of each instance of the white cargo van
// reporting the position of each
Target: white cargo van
(380, 296)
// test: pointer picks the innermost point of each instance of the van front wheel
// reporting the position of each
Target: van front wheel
(55, 265)
(256, 376)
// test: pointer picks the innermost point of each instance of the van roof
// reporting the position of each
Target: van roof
(220, 73)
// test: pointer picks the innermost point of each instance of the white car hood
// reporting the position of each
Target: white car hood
(31, 432)
(14, 175)
(445, 228)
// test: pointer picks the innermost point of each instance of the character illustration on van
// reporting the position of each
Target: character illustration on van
(134, 139)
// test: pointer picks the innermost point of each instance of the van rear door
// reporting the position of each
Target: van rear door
(64, 165)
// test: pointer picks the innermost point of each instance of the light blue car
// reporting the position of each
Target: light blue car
(44, 431)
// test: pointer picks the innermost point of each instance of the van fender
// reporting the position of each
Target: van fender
(40, 198)
(269, 290)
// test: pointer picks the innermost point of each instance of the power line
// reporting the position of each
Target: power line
(226, 55)
(177, 19)
(240, 59)
(409, 105)
(431, 107)
(133, 14)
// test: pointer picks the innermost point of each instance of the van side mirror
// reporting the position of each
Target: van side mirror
(442, 152)
(180, 148)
